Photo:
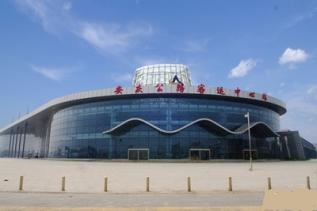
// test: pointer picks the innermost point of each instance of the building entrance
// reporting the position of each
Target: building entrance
(138, 154)
(199, 154)
(246, 154)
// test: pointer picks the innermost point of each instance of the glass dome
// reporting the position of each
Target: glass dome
(161, 73)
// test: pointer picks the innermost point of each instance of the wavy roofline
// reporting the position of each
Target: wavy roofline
(170, 132)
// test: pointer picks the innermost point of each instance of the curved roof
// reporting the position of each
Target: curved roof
(260, 129)
(148, 91)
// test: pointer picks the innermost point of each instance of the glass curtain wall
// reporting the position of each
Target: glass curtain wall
(77, 130)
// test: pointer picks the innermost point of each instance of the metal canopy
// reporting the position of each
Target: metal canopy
(258, 129)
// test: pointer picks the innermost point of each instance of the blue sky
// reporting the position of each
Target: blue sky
(53, 48)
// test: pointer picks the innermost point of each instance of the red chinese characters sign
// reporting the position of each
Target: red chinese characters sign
(159, 88)
(201, 88)
(264, 97)
(138, 89)
(180, 88)
(220, 91)
(237, 91)
(252, 94)
(118, 90)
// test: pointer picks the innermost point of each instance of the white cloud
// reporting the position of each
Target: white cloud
(291, 56)
(299, 18)
(312, 92)
(111, 37)
(50, 14)
(55, 17)
(242, 68)
(55, 74)
(101, 36)
(295, 21)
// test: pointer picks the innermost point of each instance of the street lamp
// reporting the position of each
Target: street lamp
(247, 115)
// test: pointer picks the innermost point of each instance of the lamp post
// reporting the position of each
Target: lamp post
(247, 115)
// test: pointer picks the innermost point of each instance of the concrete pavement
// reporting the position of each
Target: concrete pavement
(140, 201)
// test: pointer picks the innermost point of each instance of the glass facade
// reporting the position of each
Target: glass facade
(26, 140)
(161, 73)
(76, 131)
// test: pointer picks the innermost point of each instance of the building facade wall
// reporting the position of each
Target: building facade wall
(295, 147)
(76, 131)
(27, 139)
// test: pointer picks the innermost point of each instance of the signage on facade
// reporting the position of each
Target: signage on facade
(199, 89)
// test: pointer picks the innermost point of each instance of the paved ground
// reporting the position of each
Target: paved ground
(168, 184)
(166, 177)
(217, 199)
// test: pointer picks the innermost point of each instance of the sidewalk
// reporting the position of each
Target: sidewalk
(65, 201)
